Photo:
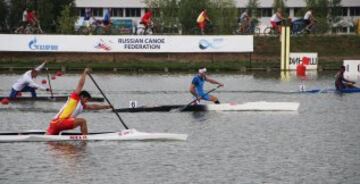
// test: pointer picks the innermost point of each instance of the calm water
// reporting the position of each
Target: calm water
(318, 144)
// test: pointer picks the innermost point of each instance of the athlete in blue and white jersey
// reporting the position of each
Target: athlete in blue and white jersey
(197, 86)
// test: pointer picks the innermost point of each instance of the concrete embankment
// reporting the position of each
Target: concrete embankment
(332, 50)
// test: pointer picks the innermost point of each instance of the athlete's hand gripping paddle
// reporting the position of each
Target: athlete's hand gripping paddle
(212, 90)
(107, 100)
(50, 88)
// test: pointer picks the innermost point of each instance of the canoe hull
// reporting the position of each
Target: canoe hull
(250, 106)
(125, 135)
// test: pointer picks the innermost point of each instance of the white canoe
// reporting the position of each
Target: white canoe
(255, 106)
(124, 135)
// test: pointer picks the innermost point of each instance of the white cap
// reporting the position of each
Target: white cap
(202, 70)
(39, 68)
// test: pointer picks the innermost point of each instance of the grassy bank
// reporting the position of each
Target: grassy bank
(332, 50)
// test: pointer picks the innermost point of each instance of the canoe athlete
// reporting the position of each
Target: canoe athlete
(197, 87)
(341, 82)
(27, 84)
(67, 119)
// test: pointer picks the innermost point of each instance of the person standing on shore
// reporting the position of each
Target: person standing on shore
(26, 83)
(341, 82)
(276, 20)
(309, 20)
(67, 119)
(202, 20)
(197, 87)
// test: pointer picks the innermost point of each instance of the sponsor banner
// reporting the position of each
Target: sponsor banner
(136, 44)
(296, 58)
(352, 69)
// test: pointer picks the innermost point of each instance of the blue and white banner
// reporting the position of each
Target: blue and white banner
(126, 44)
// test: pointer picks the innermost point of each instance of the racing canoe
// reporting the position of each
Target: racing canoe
(249, 106)
(124, 135)
(48, 98)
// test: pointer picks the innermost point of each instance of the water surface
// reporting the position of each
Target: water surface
(318, 144)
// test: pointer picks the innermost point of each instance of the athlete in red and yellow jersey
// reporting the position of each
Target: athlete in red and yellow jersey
(201, 20)
(67, 117)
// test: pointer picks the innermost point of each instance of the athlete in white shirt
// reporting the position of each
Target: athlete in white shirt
(309, 19)
(276, 20)
(27, 84)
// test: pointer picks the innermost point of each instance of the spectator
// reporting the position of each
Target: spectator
(146, 20)
(107, 19)
(24, 18)
(309, 19)
(276, 20)
(87, 17)
(201, 20)
(244, 21)
(32, 18)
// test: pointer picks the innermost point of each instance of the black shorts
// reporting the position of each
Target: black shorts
(307, 21)
(106, 22)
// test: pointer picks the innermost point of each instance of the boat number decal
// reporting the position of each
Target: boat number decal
(132, 104)
(123, 133)
(78, 137)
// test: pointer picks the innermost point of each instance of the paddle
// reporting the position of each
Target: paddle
(107, 100)
(182, 108)
(48, 76)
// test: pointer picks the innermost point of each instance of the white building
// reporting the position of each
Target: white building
(134, 9)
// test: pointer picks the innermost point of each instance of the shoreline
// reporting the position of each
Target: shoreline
(332, 50)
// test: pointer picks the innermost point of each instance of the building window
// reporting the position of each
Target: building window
(287, 12)
(298, 12)
(265, 12)
(344, 11)
(132, 12)
(355, 11)
(81, 12)
(97, 12)
(117, 12)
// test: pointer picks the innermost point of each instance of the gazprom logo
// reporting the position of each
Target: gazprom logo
(215, 43)
(34, 45)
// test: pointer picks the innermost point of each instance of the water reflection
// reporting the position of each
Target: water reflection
(199, 116)
(71, 151)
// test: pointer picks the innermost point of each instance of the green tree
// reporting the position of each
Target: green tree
(66, 20)
(50, 10)
(335, 10)
(252, 6)
(165, 14)
(16, 9)
(279, 4)
(223, 16)
(3, 15)
(45, 13)
(59, 6)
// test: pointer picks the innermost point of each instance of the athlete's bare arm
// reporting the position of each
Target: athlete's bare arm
(192, 90)
(82, 81)
(212, 81)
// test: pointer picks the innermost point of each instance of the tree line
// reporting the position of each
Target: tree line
(51, 14)
(224, 14)
(59, 16)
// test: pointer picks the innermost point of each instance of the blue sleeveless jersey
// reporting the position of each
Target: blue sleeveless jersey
(198, 82)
